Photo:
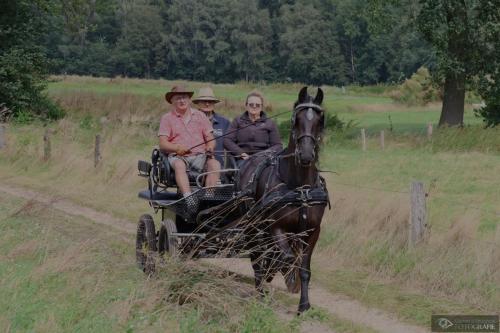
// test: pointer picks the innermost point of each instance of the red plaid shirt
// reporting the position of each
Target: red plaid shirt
(196, 131)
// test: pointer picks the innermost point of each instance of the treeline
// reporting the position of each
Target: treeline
(315, 41)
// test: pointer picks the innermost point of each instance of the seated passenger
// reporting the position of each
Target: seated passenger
(261, 135)
(205, 101)
(184, 134)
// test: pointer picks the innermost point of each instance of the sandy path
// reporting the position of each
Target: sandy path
(340, 306)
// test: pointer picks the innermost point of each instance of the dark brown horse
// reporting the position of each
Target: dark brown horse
(290, 184)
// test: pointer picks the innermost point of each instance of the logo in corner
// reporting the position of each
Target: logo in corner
(444, 323)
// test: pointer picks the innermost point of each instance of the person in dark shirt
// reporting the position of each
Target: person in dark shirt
(205, 101)
(252, 132)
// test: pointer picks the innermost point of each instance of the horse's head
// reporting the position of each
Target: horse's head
(308, 121)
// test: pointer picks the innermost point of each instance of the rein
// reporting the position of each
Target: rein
(238, 129)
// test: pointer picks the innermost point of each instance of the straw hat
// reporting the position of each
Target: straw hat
(177, 90)
(206, 94)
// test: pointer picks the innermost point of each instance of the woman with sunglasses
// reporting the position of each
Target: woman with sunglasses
(252, 132)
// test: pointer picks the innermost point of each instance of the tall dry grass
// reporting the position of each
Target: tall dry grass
(367, 231)
(128, 108)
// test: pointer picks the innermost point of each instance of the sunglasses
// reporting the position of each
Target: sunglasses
(254, 105)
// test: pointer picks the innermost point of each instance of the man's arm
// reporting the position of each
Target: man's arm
(210, 145)
(169, 147)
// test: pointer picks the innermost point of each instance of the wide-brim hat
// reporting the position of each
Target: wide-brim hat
(206, 94)
(177, 90)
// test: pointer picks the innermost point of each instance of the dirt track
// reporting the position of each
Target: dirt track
(338, 305)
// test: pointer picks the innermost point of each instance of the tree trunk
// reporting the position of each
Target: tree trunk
(353, 69)
(452, 113)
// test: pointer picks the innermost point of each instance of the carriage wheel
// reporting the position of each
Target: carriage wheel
(167, 241)
(145, 244)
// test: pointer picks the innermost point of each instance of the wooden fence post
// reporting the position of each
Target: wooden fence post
(97, 151)
(382, 139)
(363, 139)
(46, 145)
(429, 131)
(2, 136)
(418, 214)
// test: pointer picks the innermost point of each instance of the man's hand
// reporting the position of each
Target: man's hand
(244, 156)
(182, 150)
(209, 152)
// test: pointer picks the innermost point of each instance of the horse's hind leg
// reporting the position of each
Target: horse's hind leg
(305, 270)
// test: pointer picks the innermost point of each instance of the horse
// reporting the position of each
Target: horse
(289, 185)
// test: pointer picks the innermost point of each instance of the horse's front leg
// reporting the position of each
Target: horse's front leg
(305, 270)
(256, 259)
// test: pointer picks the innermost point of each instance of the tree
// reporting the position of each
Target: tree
(456, 30)
(250, 40)
(134, 53)
(489, 81)
(389, 55)
(23, 65)
(309, 46)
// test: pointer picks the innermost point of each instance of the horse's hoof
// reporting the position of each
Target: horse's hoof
(303, 308)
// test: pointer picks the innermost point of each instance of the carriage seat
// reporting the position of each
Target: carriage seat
(170, 173)
(165, 173)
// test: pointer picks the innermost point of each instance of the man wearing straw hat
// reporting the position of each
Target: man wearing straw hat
(205, 101)
(185, 134)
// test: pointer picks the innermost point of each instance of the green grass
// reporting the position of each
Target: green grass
(457, 182)
(413, 121)
(64, 274)
(370, 108)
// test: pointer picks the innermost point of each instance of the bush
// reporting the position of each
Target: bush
(332, 122)
(490, 91)
(418, 90)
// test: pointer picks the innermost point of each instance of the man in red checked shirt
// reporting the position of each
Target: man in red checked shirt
(186, 127)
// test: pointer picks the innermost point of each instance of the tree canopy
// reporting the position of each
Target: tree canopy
(334, 42)
(323, 41)
(23, 63)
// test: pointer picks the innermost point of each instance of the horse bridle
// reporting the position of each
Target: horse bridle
(311, 107)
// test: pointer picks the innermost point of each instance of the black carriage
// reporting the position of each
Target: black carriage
(198, 226)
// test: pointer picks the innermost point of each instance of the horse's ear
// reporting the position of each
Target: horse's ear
(319, 97)
(303, 95)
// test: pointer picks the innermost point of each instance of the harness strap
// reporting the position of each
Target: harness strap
(303, 218)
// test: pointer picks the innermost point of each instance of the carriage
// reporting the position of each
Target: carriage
(269, 210)
(196, 226)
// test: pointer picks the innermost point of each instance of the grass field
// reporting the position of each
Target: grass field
(368, 109)
(362, 250)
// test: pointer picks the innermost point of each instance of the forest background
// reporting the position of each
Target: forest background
(320, 42)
